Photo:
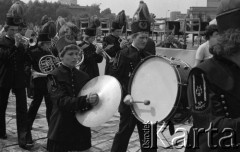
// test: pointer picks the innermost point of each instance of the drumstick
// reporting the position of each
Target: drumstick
(145, 102)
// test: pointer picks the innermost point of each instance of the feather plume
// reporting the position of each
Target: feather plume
(94, 22)
(16, 10)
(142, 13)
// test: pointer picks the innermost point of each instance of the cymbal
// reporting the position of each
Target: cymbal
(110, 93)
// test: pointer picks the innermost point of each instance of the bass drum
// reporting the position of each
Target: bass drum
(163, 82)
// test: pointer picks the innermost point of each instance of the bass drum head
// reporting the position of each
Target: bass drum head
(155, 80)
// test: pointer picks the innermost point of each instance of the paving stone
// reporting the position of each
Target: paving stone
(102, 136)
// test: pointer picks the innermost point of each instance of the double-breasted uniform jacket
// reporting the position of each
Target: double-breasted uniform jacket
(127, 60)
(214, 99)
(12, 64)
(111, 40)
(91, 60)
(64, 85)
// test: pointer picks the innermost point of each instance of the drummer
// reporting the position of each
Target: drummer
(127, 60)
(64, 83)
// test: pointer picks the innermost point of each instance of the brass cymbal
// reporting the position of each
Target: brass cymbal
(110, 93)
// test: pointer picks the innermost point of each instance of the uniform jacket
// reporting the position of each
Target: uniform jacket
(12, 64)
(127, 60)
(214, 98)
(64, 85)
(91, 60)
(111, 40)
(35, 55)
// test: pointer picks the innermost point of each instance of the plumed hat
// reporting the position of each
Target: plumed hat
(228, 15)
(47, 32)
(141, 19)
(90, 32)
(13, 21)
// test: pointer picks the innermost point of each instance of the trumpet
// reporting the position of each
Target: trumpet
(105, 54)
(28, 41)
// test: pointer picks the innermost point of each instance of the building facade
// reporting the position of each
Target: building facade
(173, 15)
(213, 3)
(176, 15)
(68, 2)
(205, 13)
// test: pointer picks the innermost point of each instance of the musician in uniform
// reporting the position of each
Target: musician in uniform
(64, 83)
(114, 40)
(39, 78)
(92, 55)
(214, 86)
(12, 61)
(127, 60)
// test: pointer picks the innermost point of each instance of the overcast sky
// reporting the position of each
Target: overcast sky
(158, 7)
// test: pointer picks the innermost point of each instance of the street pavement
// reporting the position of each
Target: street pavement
(102, 136)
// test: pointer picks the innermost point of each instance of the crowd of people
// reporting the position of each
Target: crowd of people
(213, 87)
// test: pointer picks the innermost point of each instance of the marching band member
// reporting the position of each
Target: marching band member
(111, 43)
(39, 79)
(214, 86)
(65, 82)
(127, 60)
(92, 55)
(12, 61)
(112, 39)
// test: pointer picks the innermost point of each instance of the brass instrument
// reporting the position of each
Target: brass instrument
(48, 63)
(105, 54)
(27, 41)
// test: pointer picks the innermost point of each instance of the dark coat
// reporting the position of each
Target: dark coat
(91, 60)
(12, 64)
(127, 60)
(111, 40)
(64, 85)
(35, 55)
(214, 98)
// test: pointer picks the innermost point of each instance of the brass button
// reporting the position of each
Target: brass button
(227, 114)
(223, 102)
(225, 108)
(222, 96)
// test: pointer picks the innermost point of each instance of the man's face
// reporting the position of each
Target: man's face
(117, 32)
(12, 30)
(213, 39)
(91, 39)
(23, 31)
(140, 40)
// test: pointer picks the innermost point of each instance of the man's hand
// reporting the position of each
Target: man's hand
(128, 100)
(36, 74)
(124, 44)
(17, 38)
(93, 99)
(99, 50)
